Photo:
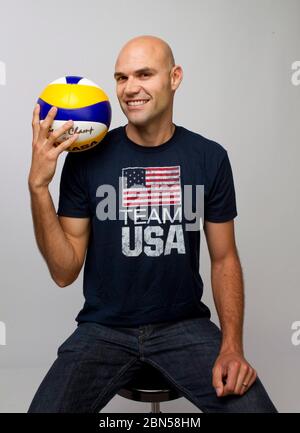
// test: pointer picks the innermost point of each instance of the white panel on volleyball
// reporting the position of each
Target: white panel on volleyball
(86, 130)
(61, 80)
(86, 82)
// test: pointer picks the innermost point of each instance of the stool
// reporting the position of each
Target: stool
(149, 385)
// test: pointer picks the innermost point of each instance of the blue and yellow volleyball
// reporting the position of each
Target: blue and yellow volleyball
(82, 101)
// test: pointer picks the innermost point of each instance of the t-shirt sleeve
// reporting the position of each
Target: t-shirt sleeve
(73, 191)
(220, 204)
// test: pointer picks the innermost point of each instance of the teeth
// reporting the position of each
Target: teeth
(141, 102)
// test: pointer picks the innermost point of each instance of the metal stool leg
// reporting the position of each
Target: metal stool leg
(155, 407)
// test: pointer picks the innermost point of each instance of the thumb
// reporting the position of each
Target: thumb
(217, 380)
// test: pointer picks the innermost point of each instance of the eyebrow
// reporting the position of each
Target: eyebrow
(138, 71)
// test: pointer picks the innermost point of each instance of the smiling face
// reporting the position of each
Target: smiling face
(145, 82)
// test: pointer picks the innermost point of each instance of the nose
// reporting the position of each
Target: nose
(131, 87)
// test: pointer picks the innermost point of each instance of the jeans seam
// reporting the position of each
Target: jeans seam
(183, 390)
(113, 379)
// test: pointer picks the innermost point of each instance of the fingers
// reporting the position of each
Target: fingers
(242, 379)
(232, 376)
(63, 146)
(36, 123)
(59, 132)
(239, 374)
(249, 380)
(235, 371)
(246, 377)
(46, 123)
(217, 379)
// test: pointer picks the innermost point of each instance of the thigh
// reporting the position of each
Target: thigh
(91, 366)
(185, 353)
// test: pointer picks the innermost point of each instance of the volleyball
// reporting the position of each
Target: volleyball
(82, 101)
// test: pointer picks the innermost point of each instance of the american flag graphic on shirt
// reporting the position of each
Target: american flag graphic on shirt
(151, 186)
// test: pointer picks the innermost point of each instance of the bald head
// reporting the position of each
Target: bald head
(146, 80)
(148, 46)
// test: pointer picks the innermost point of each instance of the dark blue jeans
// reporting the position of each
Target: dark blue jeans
(96, 361)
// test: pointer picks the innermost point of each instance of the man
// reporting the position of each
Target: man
(142, 284)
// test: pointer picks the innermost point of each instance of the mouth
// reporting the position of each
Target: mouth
(137, 103)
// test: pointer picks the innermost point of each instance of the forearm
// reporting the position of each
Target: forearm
(228, 292)
(51, 240)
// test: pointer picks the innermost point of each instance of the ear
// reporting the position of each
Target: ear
(176, 76)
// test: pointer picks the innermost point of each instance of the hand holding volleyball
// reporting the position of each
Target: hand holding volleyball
(73, 114)
(81, 100)
(44, 153)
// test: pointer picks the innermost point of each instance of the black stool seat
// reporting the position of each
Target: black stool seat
(149, 385)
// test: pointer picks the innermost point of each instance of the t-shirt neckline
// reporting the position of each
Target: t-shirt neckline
(151, 149)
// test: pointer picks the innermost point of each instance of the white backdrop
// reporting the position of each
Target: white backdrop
(241, 87)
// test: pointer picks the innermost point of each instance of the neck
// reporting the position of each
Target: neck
(150, 135)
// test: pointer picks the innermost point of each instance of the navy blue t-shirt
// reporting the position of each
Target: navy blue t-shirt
(142, 263)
